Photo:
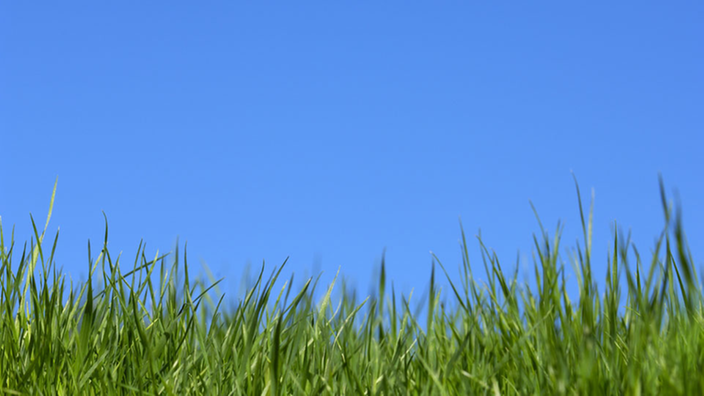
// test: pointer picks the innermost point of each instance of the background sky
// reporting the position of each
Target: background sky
(328, 132)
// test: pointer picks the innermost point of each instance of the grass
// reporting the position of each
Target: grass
(154, 330)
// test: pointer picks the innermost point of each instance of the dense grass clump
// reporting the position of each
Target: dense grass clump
(153, 330)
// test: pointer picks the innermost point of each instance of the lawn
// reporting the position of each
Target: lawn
(147, 327)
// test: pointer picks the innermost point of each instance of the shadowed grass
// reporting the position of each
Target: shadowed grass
(154, 330)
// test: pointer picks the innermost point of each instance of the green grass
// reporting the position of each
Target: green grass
(154, 330)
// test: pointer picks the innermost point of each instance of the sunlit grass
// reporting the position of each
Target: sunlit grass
(155, 330)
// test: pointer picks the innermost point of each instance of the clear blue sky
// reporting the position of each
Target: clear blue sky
(328, 132)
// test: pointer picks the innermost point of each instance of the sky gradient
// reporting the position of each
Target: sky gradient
(330, 132)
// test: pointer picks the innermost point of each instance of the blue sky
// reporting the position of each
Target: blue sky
(328, 132)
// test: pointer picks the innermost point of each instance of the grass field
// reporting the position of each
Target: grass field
(151, 329)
